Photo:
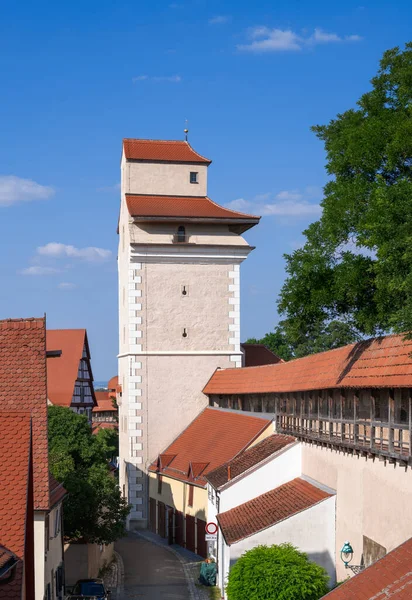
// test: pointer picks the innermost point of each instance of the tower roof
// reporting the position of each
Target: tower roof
(194, 208)
(162, 150)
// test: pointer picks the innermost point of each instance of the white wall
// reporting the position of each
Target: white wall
(282, 468)
(164, 179)
(39, 554)
(311, 531)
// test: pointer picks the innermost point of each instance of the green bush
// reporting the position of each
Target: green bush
(276, 573)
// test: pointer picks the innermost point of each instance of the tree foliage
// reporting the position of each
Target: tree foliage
(287, 343)
(356, 265)
(94, 509)
(276, 573)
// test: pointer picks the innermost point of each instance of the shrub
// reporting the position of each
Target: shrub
(276, 573)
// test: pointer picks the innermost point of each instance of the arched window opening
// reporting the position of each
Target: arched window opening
(181, 234)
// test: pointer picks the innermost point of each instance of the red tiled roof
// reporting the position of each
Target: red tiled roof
(251, 457)
(23, 387)
(212, 438)
(258, 354)
(62, 371)
(104, 402)
(15, 443)
(378, 362)
(390, 577)
(103, 425)
(113, 383)
(268, 509)
(57, 491)
(162, 150)
(198, 207)
(5, 556)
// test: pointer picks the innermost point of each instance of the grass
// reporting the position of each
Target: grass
(214, 593)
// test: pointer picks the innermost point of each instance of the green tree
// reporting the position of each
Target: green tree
(276, 573)
(94, 510)
(288, 343)
(109, 442)
(356, 265)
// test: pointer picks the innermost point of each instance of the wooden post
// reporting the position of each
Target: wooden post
(391, 414)
(410, 424)
(330, 411)
(342, 405)
(372, 419)
(355, 417)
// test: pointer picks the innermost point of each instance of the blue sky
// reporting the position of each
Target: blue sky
(251, 78)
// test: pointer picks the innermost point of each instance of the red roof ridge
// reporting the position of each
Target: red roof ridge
(23, 323)
(183, 143)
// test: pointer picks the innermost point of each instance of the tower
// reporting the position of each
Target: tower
(179, 261)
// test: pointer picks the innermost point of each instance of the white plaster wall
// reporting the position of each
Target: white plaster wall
(203, 312)
(162, 233)
(39, 553)
(311, 531)
(164, 179)
(373, 499)
(279, 470)
(54, 556)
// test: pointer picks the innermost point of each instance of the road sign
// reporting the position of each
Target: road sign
(211, 528)
(211, 537)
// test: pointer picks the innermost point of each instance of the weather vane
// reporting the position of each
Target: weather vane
(186, 130)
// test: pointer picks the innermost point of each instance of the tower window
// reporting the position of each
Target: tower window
(181, 234)
(193, 177)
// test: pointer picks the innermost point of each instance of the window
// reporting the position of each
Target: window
(181, 234)
(191, 491)
(193, 177)
(46, 533)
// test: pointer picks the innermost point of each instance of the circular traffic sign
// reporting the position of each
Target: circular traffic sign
(211, 528)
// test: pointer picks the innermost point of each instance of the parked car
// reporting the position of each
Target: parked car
(89, 589)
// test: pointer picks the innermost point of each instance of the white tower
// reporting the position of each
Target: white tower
(179, 259)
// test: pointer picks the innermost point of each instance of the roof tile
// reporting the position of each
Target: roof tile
(23, 387)
(378, 362)
(162, 150)
(389, 577)
(268, 509)
(212, 438)
(251, 457)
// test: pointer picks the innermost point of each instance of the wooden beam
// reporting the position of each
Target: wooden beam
(391, 414)
(372, 419)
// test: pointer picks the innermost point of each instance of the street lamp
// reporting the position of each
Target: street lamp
(346, 555)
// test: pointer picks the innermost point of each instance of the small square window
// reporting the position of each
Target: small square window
(193, 177)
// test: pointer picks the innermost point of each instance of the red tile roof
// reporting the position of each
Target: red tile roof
(258, 354)
(214, 437)
(183, 207)
(103, 425)
(57, 491)
(388, 578)
(23, 387)
(62, 371)
(269, 447)
(162, 150)
(104, 402)
(268, 509)
(378, 362)
(113, 383)
(15, 444)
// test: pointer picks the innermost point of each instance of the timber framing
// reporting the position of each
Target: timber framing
(369, 422)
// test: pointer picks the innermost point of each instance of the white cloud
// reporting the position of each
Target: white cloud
(291, 208)
(219, 20)
(157, 79)
(15, 189)
(65, 285)
(57, 250)
(281, 40)
(287, 203)
(37, 270)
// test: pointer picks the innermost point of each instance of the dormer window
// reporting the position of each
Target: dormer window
(181, 234)
(193, 177)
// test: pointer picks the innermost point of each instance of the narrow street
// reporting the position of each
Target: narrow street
(150, 572)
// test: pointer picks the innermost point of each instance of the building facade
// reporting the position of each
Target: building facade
(351, 408)
(179, 307)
